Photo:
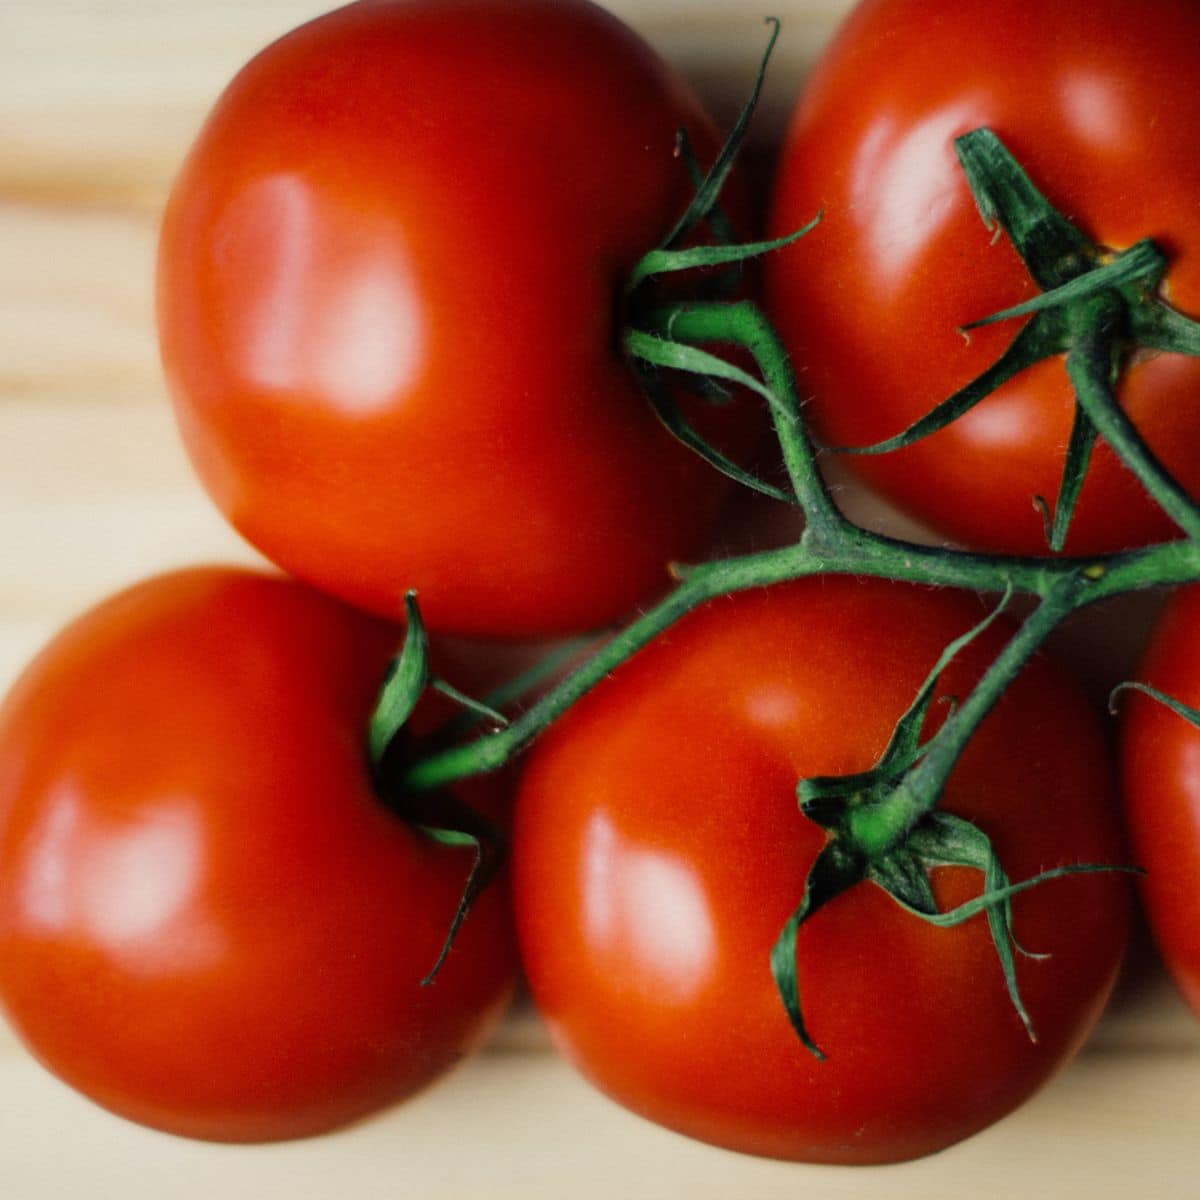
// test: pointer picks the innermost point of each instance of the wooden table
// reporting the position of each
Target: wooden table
(98, 102)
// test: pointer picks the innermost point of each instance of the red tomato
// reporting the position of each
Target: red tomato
(208, 923)
(1160, 766)
(390, 291)
(871, 304)
(660, 850)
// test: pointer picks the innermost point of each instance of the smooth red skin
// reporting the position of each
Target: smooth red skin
(1160, 768)
(1100, 100)
(208, 922)
(659, 851)
(389, 291)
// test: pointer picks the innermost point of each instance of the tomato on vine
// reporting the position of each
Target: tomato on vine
(209, 922)
(1099, 102)
(391, 291)
(659, 852)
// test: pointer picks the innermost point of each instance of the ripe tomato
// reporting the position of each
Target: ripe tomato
(1160, 767)
(208, 923)
(871, 304)
(659, 851)
(390, 291)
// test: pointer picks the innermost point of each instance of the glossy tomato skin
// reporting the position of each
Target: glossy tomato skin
(659, 851)
(870, 306)
(389, 295)
(1160, 769)
(208, 922)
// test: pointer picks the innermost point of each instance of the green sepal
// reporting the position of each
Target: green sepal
(408, 676)
(1141, 263)
(1039, 339)
(835, 870)
(717, 220)
(1057, 255)
(1157, 326)
(667, 411)
(724, 285)
(824, 798)
(964, 912)
(1092, 366)
(1075, 469)
(1105, 301)
(514, 689)
(440, 816)
(833, 801)
(477, 708)
(1053, 249)
(662, 262)
(905, 747)
(707, 194)
(711, 391)
(903, 876)
(484, 868)
(1189, 714)
(451, 822)
(943, 839)
(406, 680)
(678, 356)
(449, 837)
(1093, 305)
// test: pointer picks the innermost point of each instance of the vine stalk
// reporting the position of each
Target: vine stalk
(830, 545)
(884, 825)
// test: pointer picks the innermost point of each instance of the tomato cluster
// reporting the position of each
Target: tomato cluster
(392, 300)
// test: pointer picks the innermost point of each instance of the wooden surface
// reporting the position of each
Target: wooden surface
(98, 101)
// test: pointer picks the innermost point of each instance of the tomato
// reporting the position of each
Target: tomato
(871, 304)
(208, 922)
(659, 850)
(1160, 767)
(390, 295)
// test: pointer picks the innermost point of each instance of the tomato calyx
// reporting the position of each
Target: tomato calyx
(884, 828)
(1097, 306)
(408, 676)
(647, 337)
(439, 815)
(705, 203)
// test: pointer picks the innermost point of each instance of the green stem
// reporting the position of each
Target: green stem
(879, 827)
(492, 751)
(832, 545)
(857, 552)
(743, 324)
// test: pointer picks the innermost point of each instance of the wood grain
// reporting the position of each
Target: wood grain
(99, 101)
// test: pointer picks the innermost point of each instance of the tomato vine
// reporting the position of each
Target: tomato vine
(1095, 307)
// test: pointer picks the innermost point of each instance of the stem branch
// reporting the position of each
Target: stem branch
(853, 552)
(743, 324)
(833, 545)
(880, 826)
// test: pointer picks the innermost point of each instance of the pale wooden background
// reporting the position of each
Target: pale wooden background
(98, 101)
